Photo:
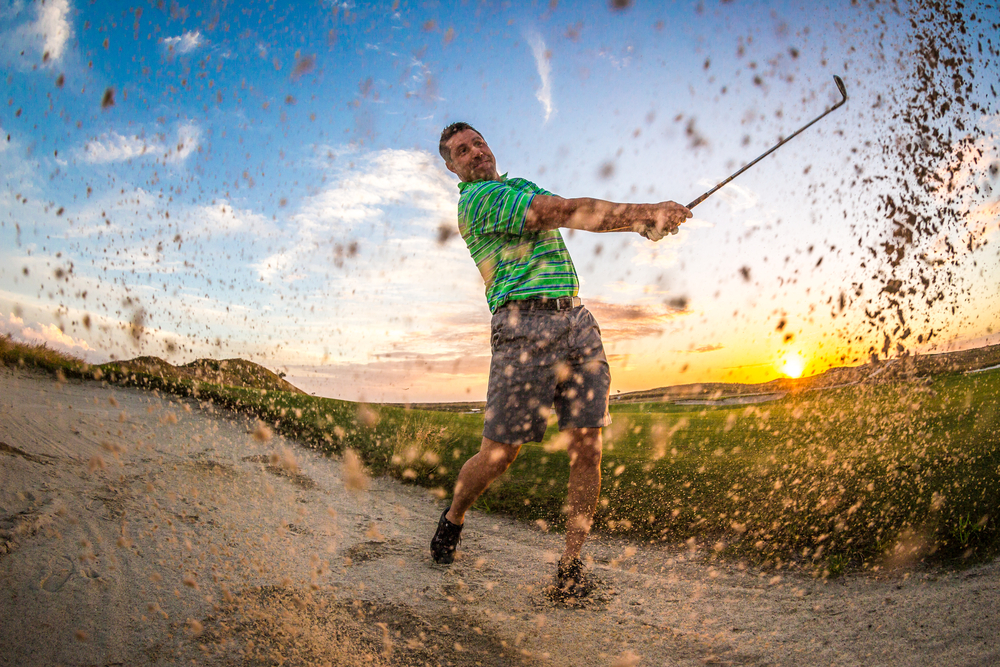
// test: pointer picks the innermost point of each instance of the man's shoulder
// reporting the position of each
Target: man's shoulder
(514, 181)
(471, 187)
(523, 184)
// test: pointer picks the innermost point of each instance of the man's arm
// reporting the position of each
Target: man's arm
(596, 215)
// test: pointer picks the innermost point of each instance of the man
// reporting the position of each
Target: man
(546, 346)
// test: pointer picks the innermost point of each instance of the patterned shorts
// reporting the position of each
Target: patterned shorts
(545, 359)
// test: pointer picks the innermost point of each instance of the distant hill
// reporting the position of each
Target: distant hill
(241, 373)
(891, 370)
(229, 372)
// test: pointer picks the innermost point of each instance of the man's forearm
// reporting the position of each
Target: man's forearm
(596, 215)
(584, 213)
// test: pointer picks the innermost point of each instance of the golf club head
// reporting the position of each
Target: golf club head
(840, 85)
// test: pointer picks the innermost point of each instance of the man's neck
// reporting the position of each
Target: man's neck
(499, 178)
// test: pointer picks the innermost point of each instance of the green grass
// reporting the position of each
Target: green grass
(857, 477)
(40, 357)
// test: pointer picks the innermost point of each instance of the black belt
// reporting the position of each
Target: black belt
(560, 303)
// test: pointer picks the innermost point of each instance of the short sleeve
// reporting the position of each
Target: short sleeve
(493, 207)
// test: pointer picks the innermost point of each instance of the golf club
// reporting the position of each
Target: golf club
(843, 91)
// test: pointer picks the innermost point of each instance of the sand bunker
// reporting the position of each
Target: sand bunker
(139, 529)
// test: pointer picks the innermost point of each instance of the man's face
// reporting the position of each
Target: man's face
(471, 158)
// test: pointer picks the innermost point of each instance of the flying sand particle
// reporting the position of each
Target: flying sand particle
(355, 477)
(627, 659)
(284, 459)
(261, 432)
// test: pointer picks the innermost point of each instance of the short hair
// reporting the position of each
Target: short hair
(449, 132)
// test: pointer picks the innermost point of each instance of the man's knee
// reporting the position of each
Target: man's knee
(585, 448)
(499, 454)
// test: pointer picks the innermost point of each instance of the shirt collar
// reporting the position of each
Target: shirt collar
(462, 184)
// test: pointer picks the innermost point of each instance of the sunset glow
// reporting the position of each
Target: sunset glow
(793, 366)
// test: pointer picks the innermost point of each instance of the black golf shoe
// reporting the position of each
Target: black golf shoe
(445, 540)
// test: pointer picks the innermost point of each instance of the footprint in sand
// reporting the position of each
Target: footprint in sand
(59, 575)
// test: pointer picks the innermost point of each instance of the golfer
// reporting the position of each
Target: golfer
(547, 350)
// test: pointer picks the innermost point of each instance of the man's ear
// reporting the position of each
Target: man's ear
(451, 167)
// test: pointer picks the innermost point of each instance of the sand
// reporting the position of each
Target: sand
(138, 529)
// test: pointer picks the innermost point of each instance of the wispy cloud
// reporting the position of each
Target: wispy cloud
(618, 62)
(543, 61)
(115, 147)
(416, 380)
(44, 34)
(737, 197)
(632, 321)
(185, 43)
(705, 348)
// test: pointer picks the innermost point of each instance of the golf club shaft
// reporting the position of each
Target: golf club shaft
(843, 92)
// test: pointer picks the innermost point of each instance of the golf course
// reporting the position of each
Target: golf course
(479, 334)
(159, 518)
(851, 477)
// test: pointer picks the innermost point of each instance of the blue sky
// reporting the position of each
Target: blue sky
(199, 180)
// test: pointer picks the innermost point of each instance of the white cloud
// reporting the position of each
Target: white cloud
(38, 333)
(223, 217)
(185, 43)
(407, 191)
(543, 60)
(115, 147)
(360, 266)
(51, 335)
(45, 35)
(53, 26)
(188, 136)
(394, 296)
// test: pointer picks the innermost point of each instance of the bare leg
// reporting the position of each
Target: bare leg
(477, 474)
(584, 487)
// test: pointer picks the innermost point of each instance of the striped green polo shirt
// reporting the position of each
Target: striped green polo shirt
(515, 264)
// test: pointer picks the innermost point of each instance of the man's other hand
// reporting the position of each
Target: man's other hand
(650, 232)
(663, 218)
(668, 216)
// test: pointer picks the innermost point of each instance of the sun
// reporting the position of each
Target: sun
(793, 366)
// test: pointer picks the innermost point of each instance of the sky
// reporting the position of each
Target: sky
(262, 181)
